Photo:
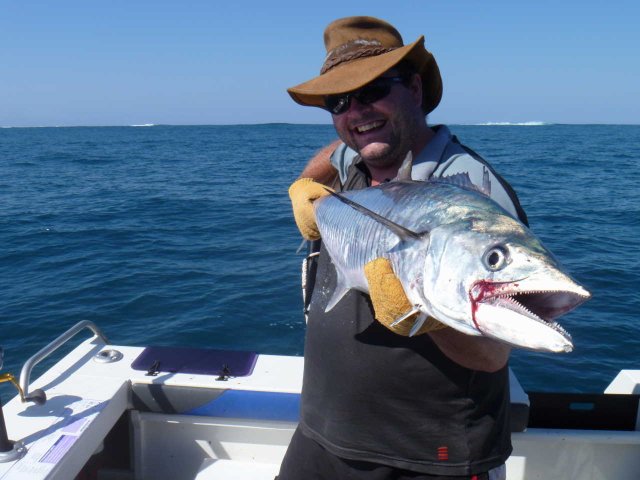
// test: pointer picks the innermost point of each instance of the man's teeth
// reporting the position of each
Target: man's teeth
(369, 126)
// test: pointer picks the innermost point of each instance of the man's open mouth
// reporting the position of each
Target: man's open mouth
(369, 126)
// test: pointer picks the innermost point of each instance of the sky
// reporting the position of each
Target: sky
(187, 62)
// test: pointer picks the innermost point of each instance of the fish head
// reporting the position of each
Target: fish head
(495, 278)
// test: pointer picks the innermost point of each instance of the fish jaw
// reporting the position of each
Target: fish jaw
(523, 312)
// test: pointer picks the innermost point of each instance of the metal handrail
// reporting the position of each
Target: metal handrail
(38, 396)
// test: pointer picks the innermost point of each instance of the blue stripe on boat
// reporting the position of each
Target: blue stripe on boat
(252, 404)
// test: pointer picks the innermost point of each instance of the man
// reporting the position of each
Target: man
(376, 403)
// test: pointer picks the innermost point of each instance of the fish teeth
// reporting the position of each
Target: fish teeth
(558, 328)
(521, 307)
(554, 325)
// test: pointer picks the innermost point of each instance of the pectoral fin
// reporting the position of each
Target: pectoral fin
(418, 325)
(407, 315)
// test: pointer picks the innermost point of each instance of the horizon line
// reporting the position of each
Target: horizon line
(149, 125)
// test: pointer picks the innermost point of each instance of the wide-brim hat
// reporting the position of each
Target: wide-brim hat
(360, 49)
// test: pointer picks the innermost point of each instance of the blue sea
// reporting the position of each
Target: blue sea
(183, 235)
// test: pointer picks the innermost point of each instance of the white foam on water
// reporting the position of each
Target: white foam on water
(521, 124)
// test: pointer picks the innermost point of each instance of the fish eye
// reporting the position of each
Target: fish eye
(496, 258)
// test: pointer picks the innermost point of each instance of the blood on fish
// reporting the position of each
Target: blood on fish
(479, 291)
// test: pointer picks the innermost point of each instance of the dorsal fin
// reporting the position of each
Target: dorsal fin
(486, 182)
(462, 179)
(404, 172)
(402, 232)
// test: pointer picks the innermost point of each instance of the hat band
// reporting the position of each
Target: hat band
(342, 55)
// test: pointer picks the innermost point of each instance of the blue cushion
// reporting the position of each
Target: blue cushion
(252, 404)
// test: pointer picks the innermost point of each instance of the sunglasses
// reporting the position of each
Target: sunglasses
(372, 92)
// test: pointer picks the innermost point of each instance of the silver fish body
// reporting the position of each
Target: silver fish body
(461, 258)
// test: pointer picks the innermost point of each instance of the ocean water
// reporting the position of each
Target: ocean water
(183, 235)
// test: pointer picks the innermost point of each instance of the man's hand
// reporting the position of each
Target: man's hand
(389, 300)
(303, 192)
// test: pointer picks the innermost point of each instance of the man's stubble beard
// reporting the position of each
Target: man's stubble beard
(397, 148)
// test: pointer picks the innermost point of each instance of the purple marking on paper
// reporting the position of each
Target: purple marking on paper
(58, 449)
(75, 427)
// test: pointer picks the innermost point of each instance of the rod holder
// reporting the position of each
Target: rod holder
(9, 450)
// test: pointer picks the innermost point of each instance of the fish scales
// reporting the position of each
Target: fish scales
(354, 239)
(445, 263)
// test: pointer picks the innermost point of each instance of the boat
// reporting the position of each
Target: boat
(112, 412)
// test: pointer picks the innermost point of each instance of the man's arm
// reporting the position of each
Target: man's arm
(476, 353)
(319, 167)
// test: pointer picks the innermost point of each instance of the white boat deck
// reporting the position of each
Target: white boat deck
(88, 399)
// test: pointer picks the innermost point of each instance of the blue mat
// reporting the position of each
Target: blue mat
(252, 404)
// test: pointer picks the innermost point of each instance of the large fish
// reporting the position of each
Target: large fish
(461, 258)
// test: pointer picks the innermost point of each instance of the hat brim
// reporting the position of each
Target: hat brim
(355, 74)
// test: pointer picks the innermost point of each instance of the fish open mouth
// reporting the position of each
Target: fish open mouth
(542, 305)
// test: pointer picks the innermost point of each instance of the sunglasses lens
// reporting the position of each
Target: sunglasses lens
(337, 104)
(373, 93)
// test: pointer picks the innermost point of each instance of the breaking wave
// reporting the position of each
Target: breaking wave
(520, 124)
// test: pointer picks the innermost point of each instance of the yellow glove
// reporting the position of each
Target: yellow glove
(303, 192)
(389, 300)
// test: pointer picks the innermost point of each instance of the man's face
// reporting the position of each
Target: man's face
(382, 132)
